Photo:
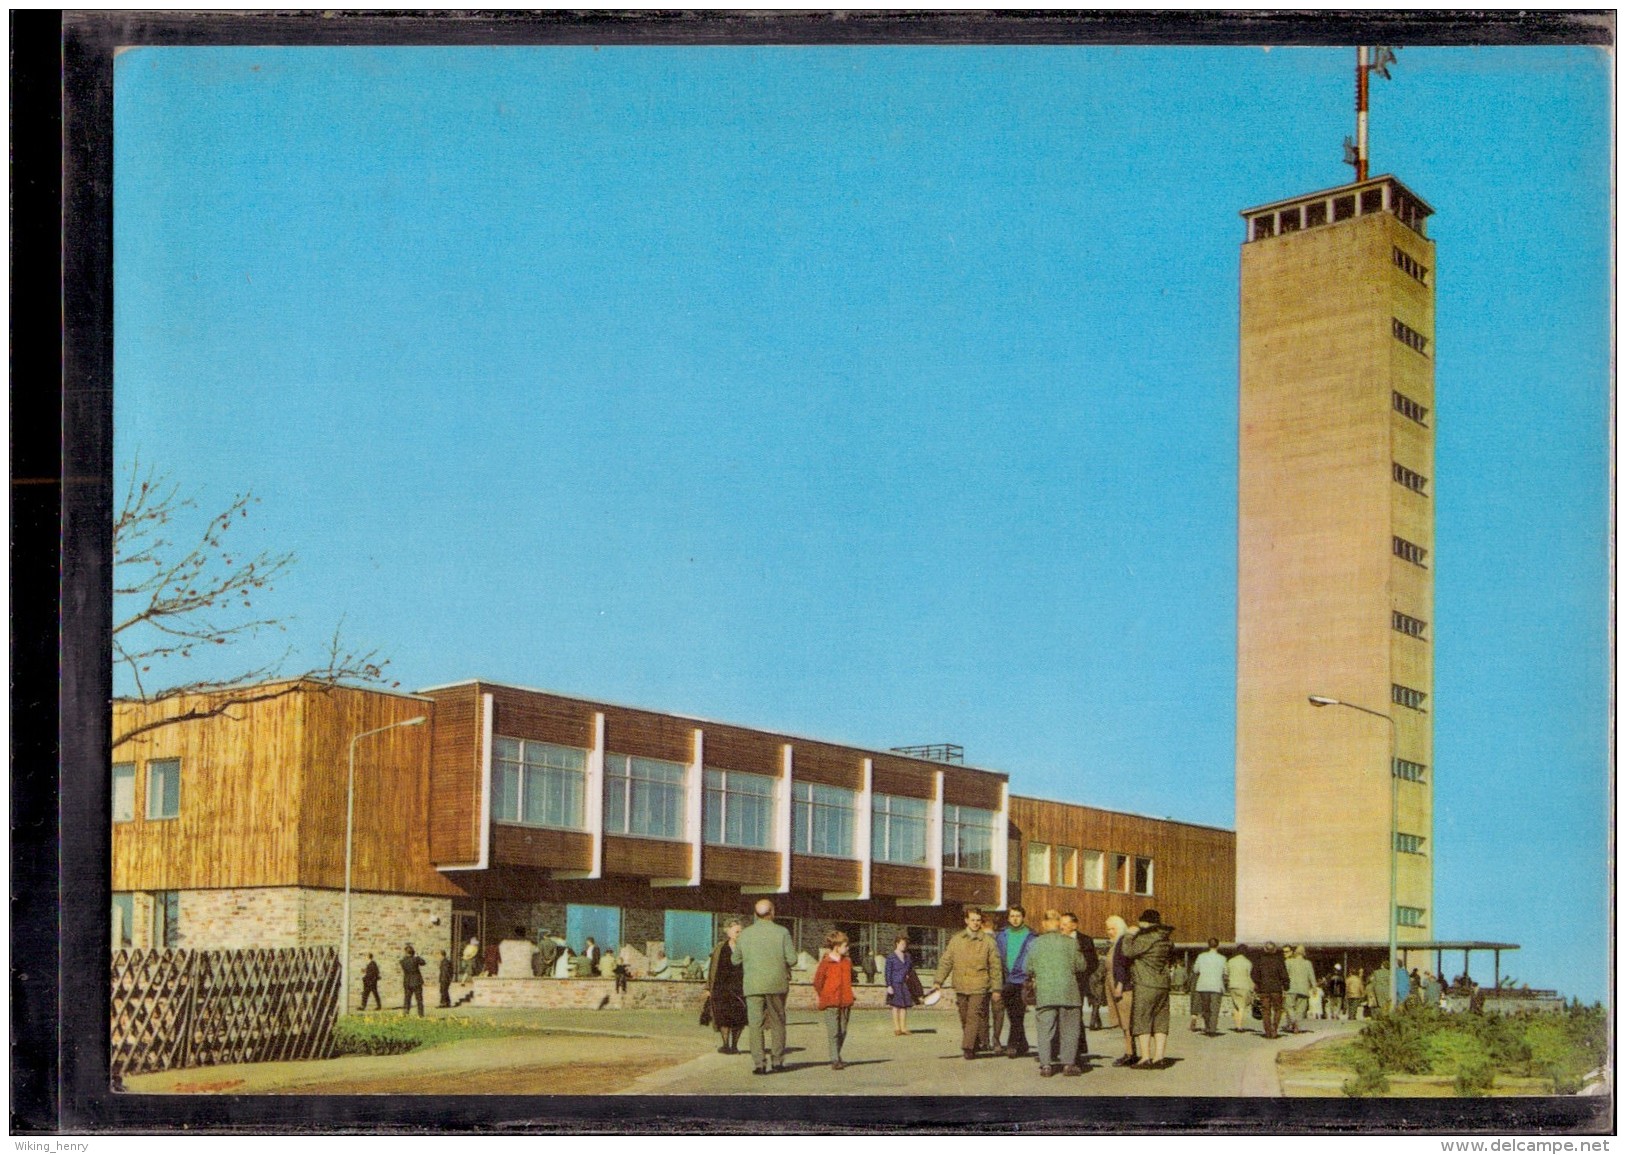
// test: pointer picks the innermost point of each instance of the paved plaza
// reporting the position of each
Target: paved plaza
(667, 1053)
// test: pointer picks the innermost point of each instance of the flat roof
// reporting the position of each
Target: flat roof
(1386, 178)
(1128, 813)
(719, 722)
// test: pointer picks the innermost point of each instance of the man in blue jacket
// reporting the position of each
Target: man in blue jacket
(1014, 940)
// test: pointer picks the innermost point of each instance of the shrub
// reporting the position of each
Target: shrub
(1475, 1077)
(1399, 1042)
(1369, 1077)
(396, 1035)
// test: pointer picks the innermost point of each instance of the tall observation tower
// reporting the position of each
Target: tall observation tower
(1335, 590)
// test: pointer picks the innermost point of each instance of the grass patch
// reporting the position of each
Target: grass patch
(398, 1034)
(1473, 1051)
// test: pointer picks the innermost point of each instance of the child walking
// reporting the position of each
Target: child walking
(833, 981)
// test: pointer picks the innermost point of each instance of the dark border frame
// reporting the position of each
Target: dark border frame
(59, 844)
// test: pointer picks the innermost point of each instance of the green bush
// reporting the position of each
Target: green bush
(1475, 1078)
(1369, 1077)
(397, 1034)
(1399, 1042)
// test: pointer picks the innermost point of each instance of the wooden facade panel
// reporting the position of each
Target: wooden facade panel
(887, 880)
(647, 735)
(812, 872)
(263, 794)
(731, 748)
(454, 776)
(648, 857)
(740, 864)
(971, 788)
(240, 784)
(904, 776)
(974, 889)
(563, 721)
(1193, 867)
(549, 849)
(827, 765)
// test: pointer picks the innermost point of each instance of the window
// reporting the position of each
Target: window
(925, 946)
(1120, 873)
(1263, 226)
(1409, 915)
(1410, 266)
(899, 830)
(822, 820)
(968, 838)
(1143, 876)
(166, 919)
(1066, 866)
(1094, 870)
(1372, 200)
(738, 809)
(1039, 863)
(1408, 625)
(1343, 208)
(600, 923)
(1412, 480)
(123, 921)
(538, 784)
(1408, 843)
(1410, 408)
(164, 788)
(643, 796)
(1410, 771)
(1406, 335)
(1289, 219)
(688, 935)
(123, 791)
(1407, 697)
(1415, 554)
(1315, 213)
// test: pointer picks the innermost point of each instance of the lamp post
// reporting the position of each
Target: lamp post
(349, 830)
(1394, 827)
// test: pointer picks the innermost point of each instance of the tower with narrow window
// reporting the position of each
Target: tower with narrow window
(1335, 589)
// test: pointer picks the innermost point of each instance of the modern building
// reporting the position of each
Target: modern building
(1335, 587)
(509, 807)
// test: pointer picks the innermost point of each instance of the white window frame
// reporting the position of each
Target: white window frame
(526, 770)
(882, 831)
(1151, 874)
(1065, 865)
(1100, 874)
(806, 812)
(619, 775)
(1039, 877)
(719, 808)
(954, 821)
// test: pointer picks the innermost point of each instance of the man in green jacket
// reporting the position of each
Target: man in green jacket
(972, 960)
(765, 951)
(1056, 964)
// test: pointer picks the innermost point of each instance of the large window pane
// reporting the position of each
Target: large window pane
(644, 796)
(1038, 871)
(1094, 866)
(688, 935)
(124, 792)
(738, 809)
(968, 838)
(822, 820)
(164, 788)
(538, 783)
(899, 830)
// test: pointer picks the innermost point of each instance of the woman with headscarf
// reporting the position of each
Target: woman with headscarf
(725, 987)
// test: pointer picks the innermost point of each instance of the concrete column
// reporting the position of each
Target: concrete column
(782, 816)
(864, 828)
(934, 838)
(1002, 845)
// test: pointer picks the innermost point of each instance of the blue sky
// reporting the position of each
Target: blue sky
(883, 395)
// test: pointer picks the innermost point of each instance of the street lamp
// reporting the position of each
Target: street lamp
(1394, 827)
(349, 829)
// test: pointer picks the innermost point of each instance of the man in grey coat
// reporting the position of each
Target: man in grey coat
(765, 951)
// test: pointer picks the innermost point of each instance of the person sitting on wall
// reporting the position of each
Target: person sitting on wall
(516, 954)
(592, 953)
(471, 960)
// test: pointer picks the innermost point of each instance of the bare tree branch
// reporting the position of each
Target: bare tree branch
(173, 601)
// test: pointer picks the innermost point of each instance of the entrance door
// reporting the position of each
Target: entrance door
(465, 925)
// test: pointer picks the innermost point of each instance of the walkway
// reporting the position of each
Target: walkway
(928, 1062)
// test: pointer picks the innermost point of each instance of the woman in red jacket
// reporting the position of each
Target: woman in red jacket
(834, 983)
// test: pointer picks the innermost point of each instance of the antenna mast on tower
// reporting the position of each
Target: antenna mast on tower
(1367, 60)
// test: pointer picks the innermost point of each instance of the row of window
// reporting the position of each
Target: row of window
(1408, 551)
(1410, 478)
(1410, 771)
(163, 789)
(1408, 843)
(1314, 214)
(1406, 406)
(1406, 696)
(163, 926)
(1409, 915)
(1410, 265)
(1057, 865)
(1408, 625)
(540, 784)
(1406, 335)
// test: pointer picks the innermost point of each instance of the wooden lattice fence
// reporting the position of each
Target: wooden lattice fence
(198, 1008)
